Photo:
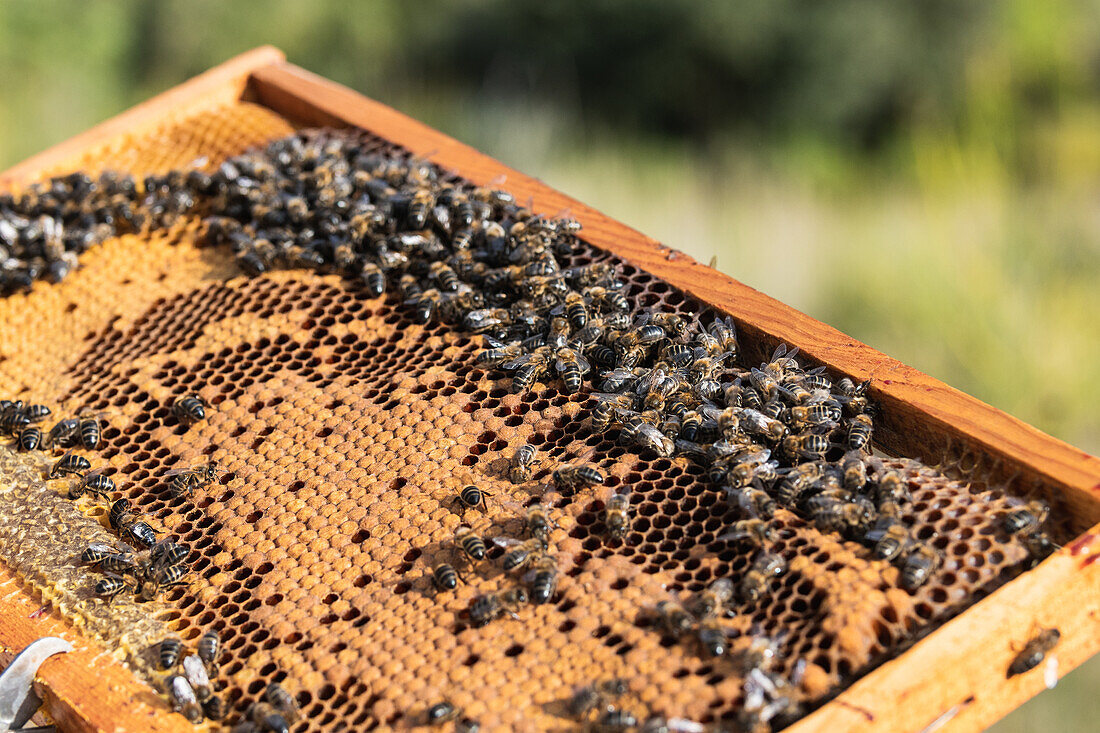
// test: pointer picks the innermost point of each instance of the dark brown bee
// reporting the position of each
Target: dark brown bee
(36, 413)
(1027, 517)
(754, 531)
(119, 511)
(522, 552)
(373, 279)
(111, 587)
(713, 637)
(139, 534)
(811, 446)
(168, 652)
(833, 515)
(183, 698)
(613, 719)
(487, 607)
(95, 483)
(90, 432)
(441, 713)
(213, 708)
(494, 356)
(766, 566)
(62, 434)
(96, 551)
(537, 523)
(674, 618)
(853, 396)
(29, 438)
(855, 471)
(158, 579)
(890, 538)
(167, 552)
(523, 460)
(208, 646)
(712, 601)
(859, 432)
(1038, 543)
(616, 515)
(444, 577)
(754, 502)
(190, 409)
(283, 701)
(70, 464)
(528, 368)
(119, 564)
(471, 544)
(587, 698)
(1034, 651)
(573, 476)
(572, 367)
(544, 579)
(13, 419)
(186, 480)
(268, 718)
(919, 565)
(471, 497)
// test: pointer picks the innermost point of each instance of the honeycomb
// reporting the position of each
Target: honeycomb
(345, 430)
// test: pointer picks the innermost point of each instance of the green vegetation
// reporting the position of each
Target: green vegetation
(923, 176)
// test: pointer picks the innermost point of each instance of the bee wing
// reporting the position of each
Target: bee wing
(711, 411)
(178, 471)
(583, 364)
(733, 536)
(683, 725)
(518, 362)
(516, 507)
(506, 541)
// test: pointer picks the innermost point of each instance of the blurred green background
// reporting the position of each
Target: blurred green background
(924, 176)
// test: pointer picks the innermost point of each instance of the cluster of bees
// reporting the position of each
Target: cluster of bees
(45, 228)
(774, 437)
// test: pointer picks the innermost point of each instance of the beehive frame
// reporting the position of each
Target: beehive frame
(954, 675)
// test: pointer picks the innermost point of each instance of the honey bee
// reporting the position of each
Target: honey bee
(186, 480)
(278, 698)
(90, 431)
(190, 409)
(890, 537)
(441, 713)
(208, 647)
(759, 652)
(572, 367)
(640, 432)
(854, 397)
(712, 636)
(29, 438)
(421, 204)
(471, 497)
(543, 578)
(472, 546)
(62, 433)
(119, 564)
(767, 565)
(213, 708)
(111, 586)
(119, 511)
(522, 552)
(95, 483)
(1034, 652)
(444, 577)
(487, 607)
(712, 601)
(1026, 518)
(183, 698)
(855, 471)
(168, 652)
(96, 551)
(159, 578)
(537, 523)
(494, 356)
(674, 618)
(859, 432)
(617, 515)
(834, 515)
(70, 464)
(13, 418)
(753, 501)
(36, 413)
(166, 552)
(757, 423)
(573, 476)
(919, 565)
(574, 309)
(136, 533)
(373, 279)
(807, 446)
(1038, 543)
(725, 332)
(756, 532)
(891, 491)
(528, 368)
(268, 718)
(589, 697)
(745, 468)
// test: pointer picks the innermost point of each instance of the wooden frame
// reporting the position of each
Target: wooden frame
(954, 677)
